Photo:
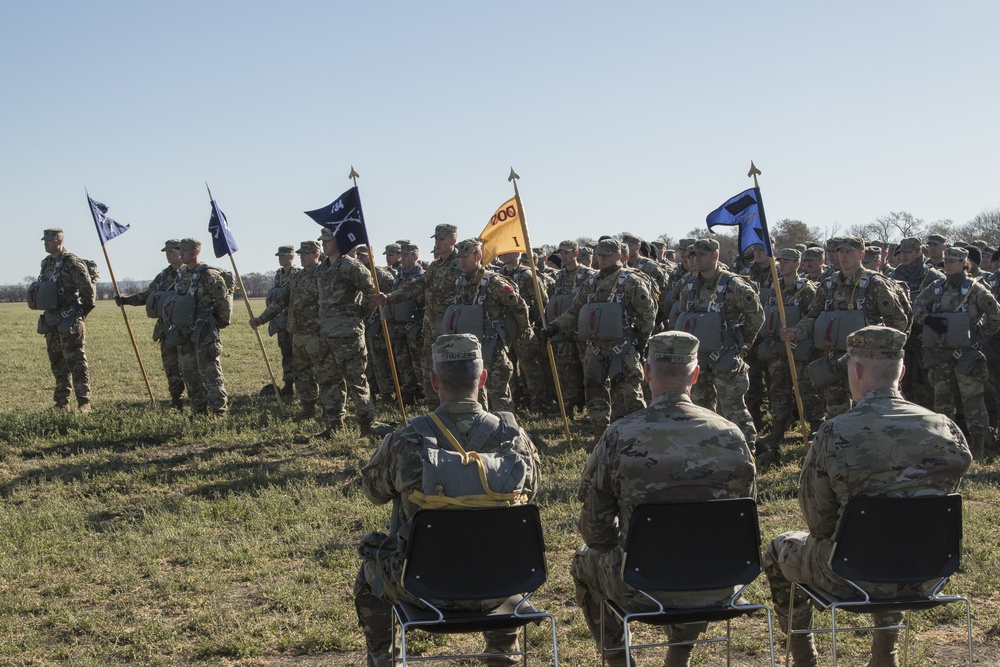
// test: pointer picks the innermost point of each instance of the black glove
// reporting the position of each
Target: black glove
(937, 324)
(119, 300)
(548, 332)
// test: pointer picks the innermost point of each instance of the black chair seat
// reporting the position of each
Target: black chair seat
(876, 606)
(501, 618)
(688, 615)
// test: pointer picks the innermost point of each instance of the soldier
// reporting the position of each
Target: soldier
(396, 474)
(936, 245)
(437, 285)
(832, 258)
(392, 252)
(759, 273)
(379, 367)
(345, 298)
(488, 306)
(724, 312)
(796, 296)
(586, 257)
(299, 304)
(885, 445)
(613, 315)
(528, 355)
(199, 347)
(65, 291)
(407, 325)
(872, 258)
(671, 451)
(852, 298)
(812, 263)
(565, 347)
(162, 283)
(278, 326)
(953, 310)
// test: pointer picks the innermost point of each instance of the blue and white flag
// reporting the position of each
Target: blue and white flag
(747, 211)
(107, 228)
(345, 219)
(222, 239)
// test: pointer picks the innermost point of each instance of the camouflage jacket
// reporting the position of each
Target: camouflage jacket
(207, 285)
(373, 323)
(345, 296)
(437, 286)
(620, 284)
(498, 296)
(672, 450)
(300, 301)
(281, 276)
(800, 293)
(916, 278)
(521, 277)
(163, 281)
(760, 275)
(396, 469)
(75, 286)
(884, 446)
(881, 301)
(960, 294)
(569, 282)
(741, 309)
(657, 276)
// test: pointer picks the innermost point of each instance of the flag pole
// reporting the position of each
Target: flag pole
(246, 300)
(118, 294)
(538, 299)
(381, 309)
(754, 172)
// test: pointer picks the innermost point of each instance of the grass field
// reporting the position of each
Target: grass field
(137, 535)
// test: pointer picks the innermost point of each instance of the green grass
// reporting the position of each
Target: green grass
(137, 535)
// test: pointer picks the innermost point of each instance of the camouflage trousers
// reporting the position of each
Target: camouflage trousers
(284, 340)
(757, 387)
(409, 359)
(781, 392)
(527, 354)
(172, 367)
(381, 369)
(597, 575)
(799, 557)
(377, 588)
(305, 366)
(201, 367)
(569, 361)
(724, 393)
(916, 384)
(427, 365)
(68, 361)
(498, 375)
(950, 386)
(624, 369)
(837, 396)
(340, 369)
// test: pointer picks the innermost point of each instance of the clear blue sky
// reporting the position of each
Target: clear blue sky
(618, 116)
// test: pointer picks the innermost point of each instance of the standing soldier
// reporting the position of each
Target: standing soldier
(279, 325)
(437, 284)
(651, 269)
(488, 306)
(345, 299)
(528, 355)
(759, 273)
(379, 367)
(953, 310)
(151, 297)
(812, 263)
(723, 311)
(407, 328)
(203, 290)
(65, 291)
(391, 253)
(565, 346)
(936, 245)
(299, 304)
(849, 300)
(613, 315)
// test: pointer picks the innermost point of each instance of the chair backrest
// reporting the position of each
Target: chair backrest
(693, 546)
(899, 540)
(474, 554)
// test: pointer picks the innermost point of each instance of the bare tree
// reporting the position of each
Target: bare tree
(986, 226)
(787, 233)
(665, 239)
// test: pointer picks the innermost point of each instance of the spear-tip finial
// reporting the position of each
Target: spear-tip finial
(513, 175)
(754, 171)
(353, 175)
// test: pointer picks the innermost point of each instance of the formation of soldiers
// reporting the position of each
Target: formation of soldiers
(596, 304)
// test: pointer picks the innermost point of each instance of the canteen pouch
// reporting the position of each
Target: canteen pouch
(43, 295)
(403, 312)
(825, 371)
(834, 326)
(178, 309)
(464, 319)
(600, 320)
(154, 303)
(957, 337)
(706, 327)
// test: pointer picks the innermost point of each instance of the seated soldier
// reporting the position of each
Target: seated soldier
(401, 472)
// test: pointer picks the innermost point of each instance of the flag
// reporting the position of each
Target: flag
(504, 232)
(222, 239)
(345, 219)
(746, 210)
(107, 228)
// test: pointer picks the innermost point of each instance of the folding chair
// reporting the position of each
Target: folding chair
(688, 547)
(895, 541)
(473, 554)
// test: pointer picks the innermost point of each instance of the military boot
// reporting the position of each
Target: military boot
(678, 656)
(884, 648)
(328, 432)
(177, 402)
(803, 651)
(83, 405)
(366, 427)
(308, 410)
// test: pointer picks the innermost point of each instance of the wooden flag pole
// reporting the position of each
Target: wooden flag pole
(382, 312)
(538, 299)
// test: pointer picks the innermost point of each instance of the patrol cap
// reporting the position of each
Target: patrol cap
(52, 233)
(955, 252)
(880, 244)
(909, 244)
(468, 247)
(569, 244)
(607, 247)
(400, 242)
(673, 347)
(285, 250)
(406, 248)
(392, 249)
(658, 245)
(704, 247)
(189, 244)
(975, 254)
(444, 232)
(586, 252)
(850, 243)
(872, 253)
(789, 253)
(876, 342)
(362, 250)
(758, 244)
(831, 243)
(456, 347)
(684, 244)
(936, 238)
(171, 244)
(813, 253)
(801, 247)
(308, 247)
(327, 235)
(629, 237)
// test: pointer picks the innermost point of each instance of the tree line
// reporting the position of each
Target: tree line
(255, 283)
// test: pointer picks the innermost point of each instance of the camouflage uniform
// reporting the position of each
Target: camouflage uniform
(407, 330)
(528, 354)
(566, 348)
(884, 446)
(345, 293)
(964, 370)
(671, 451)
(915, 383)
(757, 370)
(199, 347)
(63, 326)
(279, 326)
(378, 351)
